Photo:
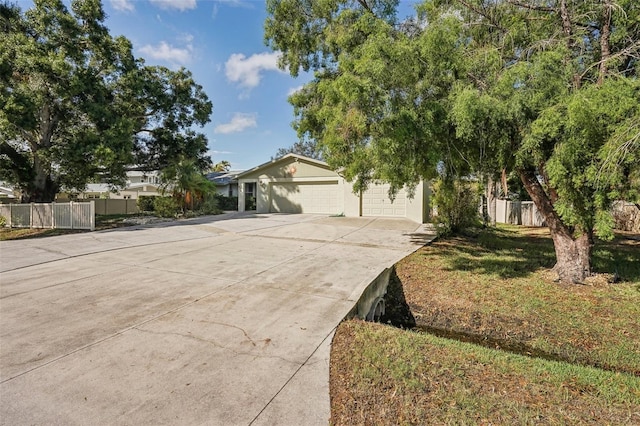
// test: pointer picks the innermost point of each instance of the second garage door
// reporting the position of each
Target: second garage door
(305, 197)
(376, 202)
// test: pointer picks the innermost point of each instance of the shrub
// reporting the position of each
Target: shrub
(3, 221)
(227, 203)
(210, 205)
(166, 206)
(146, 203)
(250, 203)
(456, 202)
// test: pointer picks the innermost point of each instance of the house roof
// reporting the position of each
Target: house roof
(223, 178)
(284, 159)
(138, 173)
(6, 192)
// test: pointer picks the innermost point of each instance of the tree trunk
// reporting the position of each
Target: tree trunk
(42, 188)
(573, 257)
(573, 254)
(605, 34)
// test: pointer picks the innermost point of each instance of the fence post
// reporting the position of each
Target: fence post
(10, 215)
(507, 206)
(31, 216)
(53, 215)
(93, 215)
(71, 213)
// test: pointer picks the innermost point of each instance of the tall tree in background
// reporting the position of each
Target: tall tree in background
(548, 89)
(221, 166)
(75, 105)
(306, 148)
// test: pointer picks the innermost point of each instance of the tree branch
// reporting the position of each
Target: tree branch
(542, 201)
(488, 17)
(532, 6)
(605, 51)
(364, 4)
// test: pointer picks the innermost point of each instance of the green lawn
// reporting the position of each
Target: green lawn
(493, 289)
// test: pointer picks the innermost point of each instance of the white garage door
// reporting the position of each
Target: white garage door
(376, 202)
(305, 197)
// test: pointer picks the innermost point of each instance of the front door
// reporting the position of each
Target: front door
(249, 195)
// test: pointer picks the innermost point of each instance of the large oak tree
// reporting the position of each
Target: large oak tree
(547, 89)
(75, 105)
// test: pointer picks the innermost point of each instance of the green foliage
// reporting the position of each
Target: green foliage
(166, 206)
(457, 204)
(145, 203)
(474, 88)
(227, 203)
(306, 148)
(221, 166)
(250, 203)
(76, 105)
(185, 180)
(3, 221)
(210, 204)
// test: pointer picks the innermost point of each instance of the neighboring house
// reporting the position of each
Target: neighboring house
(297, 184)
(138, 184)
(6, 192)
(226, 182)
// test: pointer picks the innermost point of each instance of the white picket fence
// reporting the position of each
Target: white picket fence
(72, 215)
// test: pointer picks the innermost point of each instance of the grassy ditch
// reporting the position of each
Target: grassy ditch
(382, 375)
(570, 353)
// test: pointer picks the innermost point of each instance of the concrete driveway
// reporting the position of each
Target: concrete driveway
(220, 320)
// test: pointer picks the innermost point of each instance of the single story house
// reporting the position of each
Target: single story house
(297, 184)
(226, 182)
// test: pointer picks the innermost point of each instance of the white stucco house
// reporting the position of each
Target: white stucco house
(297, 184)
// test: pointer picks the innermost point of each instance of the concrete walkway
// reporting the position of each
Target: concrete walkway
(223, 320)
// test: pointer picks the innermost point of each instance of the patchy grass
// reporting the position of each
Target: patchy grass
(102, 222)
(382, 375)
(495, 286)
(24, 233)
(527, 350)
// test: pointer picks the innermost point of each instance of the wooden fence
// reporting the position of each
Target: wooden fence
(518, 213)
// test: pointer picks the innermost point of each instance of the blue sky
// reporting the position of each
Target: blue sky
(221, 42)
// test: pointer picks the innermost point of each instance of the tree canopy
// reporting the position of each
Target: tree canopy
(76, 105)
(546, 89)
(307, 148)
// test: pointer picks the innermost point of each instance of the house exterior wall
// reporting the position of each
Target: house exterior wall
(291, 171)
(351, 200)
(225, 189)
(418, 207)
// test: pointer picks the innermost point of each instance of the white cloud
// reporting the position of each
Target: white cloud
(165, 52)
(246, 4)
(214, 152)
(295, 90)
(123, 5)
(238, 123)
(180, 5)
(247, 71)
